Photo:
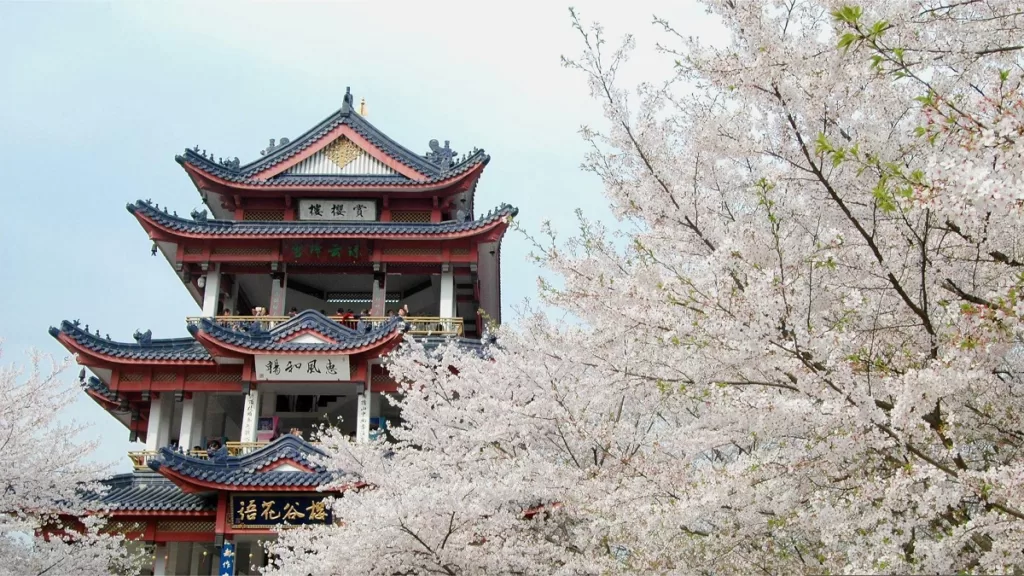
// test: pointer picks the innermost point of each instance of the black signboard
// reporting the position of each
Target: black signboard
(268, 510)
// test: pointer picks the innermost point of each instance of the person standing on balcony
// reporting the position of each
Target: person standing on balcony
(212, 447)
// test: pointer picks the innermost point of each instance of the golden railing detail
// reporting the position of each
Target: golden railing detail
(422, 325)
(418, 325)
(140, 458)
(242, 448)
(241, 322)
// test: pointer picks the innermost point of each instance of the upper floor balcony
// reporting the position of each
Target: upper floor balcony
(417, 325)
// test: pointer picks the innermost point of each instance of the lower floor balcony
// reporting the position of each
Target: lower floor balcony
(140, 458)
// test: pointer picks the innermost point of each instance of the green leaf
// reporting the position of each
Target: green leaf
(838, 156)
(883, 198)
(821, 144)
(879, 28)
(847, 40)
(848, 14)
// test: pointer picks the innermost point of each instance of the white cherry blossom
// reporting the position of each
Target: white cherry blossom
(44, 477)
(797, 352)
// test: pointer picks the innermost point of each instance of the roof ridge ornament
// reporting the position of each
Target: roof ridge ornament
(442, 157)
(143, 338)
(270, 148)
(199, 216)
(346, 102)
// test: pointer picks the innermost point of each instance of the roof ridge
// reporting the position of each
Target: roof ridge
(154, 209)
(422, 164)
(72, 327)
(346, 115)
(200, 226)
(271, 159)
(284, 446)
(273, 339)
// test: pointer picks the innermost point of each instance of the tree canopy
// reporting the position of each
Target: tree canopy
(799, 352)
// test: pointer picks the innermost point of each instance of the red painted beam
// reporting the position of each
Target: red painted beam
(165, 536)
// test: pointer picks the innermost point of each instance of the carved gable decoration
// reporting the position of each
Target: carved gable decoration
(341, 157)
(342, 152)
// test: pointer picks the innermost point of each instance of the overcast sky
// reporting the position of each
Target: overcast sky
(96, 99)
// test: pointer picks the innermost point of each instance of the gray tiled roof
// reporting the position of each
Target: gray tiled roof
(305, 229)
(344, 116)
(273, 339)
(242, 471)
(171, 349)
(148, 491)
(478, 346)
(100, 388)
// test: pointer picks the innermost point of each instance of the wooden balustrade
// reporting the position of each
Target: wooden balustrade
(140, 458)
(423, 325)
(418, 325)
(243, 448)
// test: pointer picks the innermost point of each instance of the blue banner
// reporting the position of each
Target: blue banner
(264, 511)
(227, 559)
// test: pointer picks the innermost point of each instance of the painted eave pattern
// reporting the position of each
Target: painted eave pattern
(300, 228)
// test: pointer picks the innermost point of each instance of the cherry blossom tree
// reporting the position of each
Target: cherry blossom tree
(45, 478)
(798, 351)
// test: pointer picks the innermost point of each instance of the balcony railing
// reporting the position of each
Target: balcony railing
(418, 325)
(140, 459)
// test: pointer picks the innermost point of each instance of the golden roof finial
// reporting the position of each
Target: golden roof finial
(362, 106)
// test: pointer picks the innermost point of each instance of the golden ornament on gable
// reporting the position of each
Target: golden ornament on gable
(342, 151)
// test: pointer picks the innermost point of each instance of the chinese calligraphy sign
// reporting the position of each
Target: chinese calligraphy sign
(326, 252)
(358, 210)
(261, 511)
(321, 368)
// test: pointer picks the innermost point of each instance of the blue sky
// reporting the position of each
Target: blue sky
(96, 99)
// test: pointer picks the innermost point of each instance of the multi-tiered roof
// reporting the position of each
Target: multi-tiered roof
(410, 214)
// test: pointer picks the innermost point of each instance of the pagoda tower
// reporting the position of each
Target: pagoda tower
(309, 265)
